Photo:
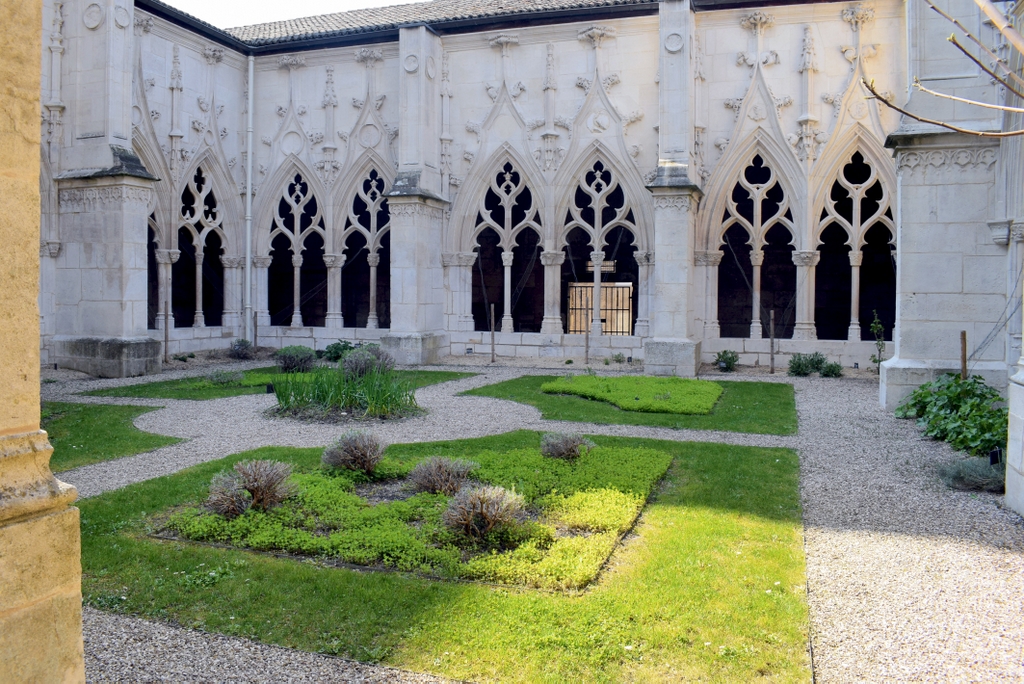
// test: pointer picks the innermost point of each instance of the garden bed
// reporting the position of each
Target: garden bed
(709, 586)
(758, 407)
(576, 513)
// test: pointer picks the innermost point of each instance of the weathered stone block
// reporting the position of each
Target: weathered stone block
(410, 349)
(672, 357)
(109, 357)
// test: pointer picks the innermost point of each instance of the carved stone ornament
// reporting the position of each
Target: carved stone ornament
(411, 64)
(1000, 231)
(676, 202)
(232, 261)
(674, 42)
(73, 200)
(291, 62)
(143, 25)
(368, 56)
(1017, 232)
(93, 16)
(963, 159)
(167, 256)
(552, 258)
(858, 15)
(51, 248)
(757, 22)
(708, 258)
(262, 261)
(595, 35)
(213, 55)
(121, 17)
(204, 104)
(808, 258)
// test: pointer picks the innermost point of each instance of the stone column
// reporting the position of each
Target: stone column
(856, 258)
(297, 291)
(710, 260)
(334, 264)
(596, 259)
(232, 292)
(200, 320)
(805, 262)
(552, 262)
(756, 259)
(506, 318)
(261, 298)
(644, 262)
(373, 259)
(1016, 281)
(165, 258)
(40, 549)
(465, 262)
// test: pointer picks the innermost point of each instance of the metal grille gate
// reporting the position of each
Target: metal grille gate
(616, 308)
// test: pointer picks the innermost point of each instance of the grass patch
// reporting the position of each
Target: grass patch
(217, 385)
(582, 509)
(711, 587)
(760, 407)
(643, 394)
(89, 433)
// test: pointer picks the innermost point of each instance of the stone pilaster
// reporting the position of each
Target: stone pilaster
(233, 275)
(102, 294)
(805, 262)
(710, 261)
(552, 262)
(334, 264)
(671, 349)
(165, 258)
(261, 296)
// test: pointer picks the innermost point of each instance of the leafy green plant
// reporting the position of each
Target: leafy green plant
(607, 362)
(242, 350)
(191, 355)
(679, 395)
(336, 351)
(366, 359)
(831, 370)
(619, 358)
(961, 412)
(295, 359)
(802, 365)
(726, 360)
(878, 330)
(181, 357)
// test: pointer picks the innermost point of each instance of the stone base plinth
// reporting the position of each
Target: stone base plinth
(900, 377)
(413, 349)
(671, 357)
(108, 357)
(1015, 447)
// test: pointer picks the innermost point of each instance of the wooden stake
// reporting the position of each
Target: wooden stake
(492, 333)
(586, 347)
(771, 342)
(963, 354)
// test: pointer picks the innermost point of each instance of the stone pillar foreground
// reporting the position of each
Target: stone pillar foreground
(40, 553)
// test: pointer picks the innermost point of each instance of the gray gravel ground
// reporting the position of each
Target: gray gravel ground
(907, 580)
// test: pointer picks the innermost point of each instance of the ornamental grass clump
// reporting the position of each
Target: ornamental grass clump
(439, 475)
(477, 511)
(368, 359)
(261, 485)
(296, 359)
(975, 474)
(355, 450)
(567, 447)
(242, 350)
(327, 392)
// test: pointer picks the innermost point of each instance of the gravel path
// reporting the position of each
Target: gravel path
(907, 581)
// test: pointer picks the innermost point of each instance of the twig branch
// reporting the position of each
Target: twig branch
(963, 29)
(1002, 108)
(915, 117)
(961, 48)
(999, 21)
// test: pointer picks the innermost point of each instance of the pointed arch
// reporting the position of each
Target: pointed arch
(723, 179)
(463, 227)
(349, 187)
(635, 195)
(270, 193)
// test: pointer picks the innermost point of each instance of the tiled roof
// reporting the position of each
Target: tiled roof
(384, 18)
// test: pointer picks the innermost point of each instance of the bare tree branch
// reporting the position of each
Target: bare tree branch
(1002, 108)
(981, 134)
(999, 21)
(993, 56)
(961, 48)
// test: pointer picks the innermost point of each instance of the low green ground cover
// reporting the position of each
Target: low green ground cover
(88, 433)
(760, 407)
(220, 385)
(710, 587)
(643, 394)
(580, 511)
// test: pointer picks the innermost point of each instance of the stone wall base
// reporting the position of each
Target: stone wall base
(108, 357)
(411, 349)
(900, 377)
(671, 357)
(1015, 447)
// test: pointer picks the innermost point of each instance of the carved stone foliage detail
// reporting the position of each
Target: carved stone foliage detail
(677, 202)
(858, 15)
(757, 22)
(91, 199)
(957, 160)
(213, 55)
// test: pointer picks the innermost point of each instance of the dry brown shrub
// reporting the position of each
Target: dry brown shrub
(567, 447)
(266, 481)
(441, 475)
(476, 511)
(355, 450)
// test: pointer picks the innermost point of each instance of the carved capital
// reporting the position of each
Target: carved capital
(757, 22)
(262, 261)
(51, 248)
(297, 260)
(556, 258)
(806, 258)
(335, 260)
(232, 261)
(167, 256)
(597, 257)
(373, 259)
(708, 258)
(856, 257)
(858, 15)
(1000, 231)
(756, 257)
(1017, 232)
(506, 258)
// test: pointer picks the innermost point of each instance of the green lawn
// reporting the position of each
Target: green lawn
(761, 407)
(88, 433)
(644, 394)
(218, 386)
(710, 587)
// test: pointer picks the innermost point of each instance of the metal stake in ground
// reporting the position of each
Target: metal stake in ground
(492, 333)
(771, 342)
(963, 354)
